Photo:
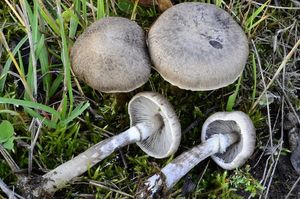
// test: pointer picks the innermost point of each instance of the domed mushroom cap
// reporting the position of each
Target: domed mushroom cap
(111, 56)
(198, 46)
(231, 122)
(153, 107)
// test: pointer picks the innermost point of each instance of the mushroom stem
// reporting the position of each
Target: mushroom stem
(60, 176)
(175, 170)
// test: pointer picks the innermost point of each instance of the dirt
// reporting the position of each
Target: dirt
(284, 178)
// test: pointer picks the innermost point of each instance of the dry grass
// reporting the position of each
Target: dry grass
(37, 72)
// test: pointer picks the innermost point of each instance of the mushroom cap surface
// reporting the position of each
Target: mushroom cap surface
(111, 56)
(147, 107)
(198, 46)
(231, 122)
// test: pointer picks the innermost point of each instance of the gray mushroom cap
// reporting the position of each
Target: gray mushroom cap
(147, 107)
(231, 122)
(198, 46)
(111, 56)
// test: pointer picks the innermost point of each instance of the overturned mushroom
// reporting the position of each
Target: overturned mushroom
(197, 46)
(111, 56)
(154, 127)
(229, 138)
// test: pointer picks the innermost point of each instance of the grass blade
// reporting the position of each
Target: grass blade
(74, 21)
(22, 76)
(55, 85)
(84, 11)
(31, 25)
(15, 12)
(34, 114)
(42, 54)
(101, 9)
(232, 97)
(65, 57)
(76, 112)
(48, 17)
(30, 104)
(249, 24)
(7, 65)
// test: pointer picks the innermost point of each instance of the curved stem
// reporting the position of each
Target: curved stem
(181, 165)
(60, 176)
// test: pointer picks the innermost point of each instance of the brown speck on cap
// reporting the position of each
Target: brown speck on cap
(198, 46)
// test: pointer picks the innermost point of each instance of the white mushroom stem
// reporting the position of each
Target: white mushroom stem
(181, 165)
(60, 176)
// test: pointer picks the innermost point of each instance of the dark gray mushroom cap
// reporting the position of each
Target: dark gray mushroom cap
(231, 122)
(111, 56)
(198, 46)
(295, 157)
(147, 107)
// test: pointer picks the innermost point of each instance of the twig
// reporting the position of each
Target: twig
(11, 163)
(282, 65)
(23, 78)
(293, 187)
(10, 194)
(289, 103)
(282, 31)
(269, 170)
(123, 159)
(275, 7)
(264, 174)
(191, 126)
(202, 174)
(91, 6)
(15, 12)
(98, 184)
(34, 137)
(6, 190)
(93, 9)
(262, 154)
(103, 131)
(274, 168)
(27, 24)
(77, 83)
(83, 195)
(264, 83)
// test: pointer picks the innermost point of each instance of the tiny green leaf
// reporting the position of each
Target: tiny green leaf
(6, 131)
(9, 144)
(125, 6)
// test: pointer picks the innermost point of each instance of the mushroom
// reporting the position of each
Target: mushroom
(197, 46)
(154, 127)
(111, 55)
(229, 138)
(291, 125)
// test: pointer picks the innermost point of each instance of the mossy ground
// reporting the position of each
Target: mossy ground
(35, 40)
